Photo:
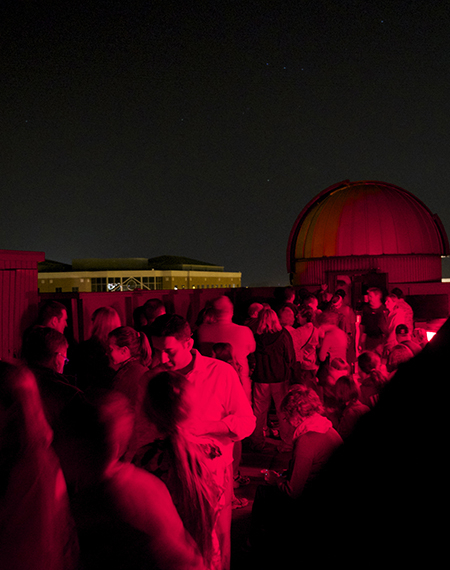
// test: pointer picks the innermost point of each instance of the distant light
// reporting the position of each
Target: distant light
(430, 335)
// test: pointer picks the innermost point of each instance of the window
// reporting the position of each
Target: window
(74, 289)
(98, 284)
(152, 283)
(58, 289)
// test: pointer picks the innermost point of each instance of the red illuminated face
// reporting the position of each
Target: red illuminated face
(374, 299)
(60, 360)
(118, 354)
(174, 354)
(60, 323)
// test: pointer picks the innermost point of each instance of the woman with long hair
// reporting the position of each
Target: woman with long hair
(185, 466)
(92, 364)
(130, 355)
(274, 362)
(125, 516)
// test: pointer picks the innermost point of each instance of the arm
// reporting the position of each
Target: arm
(323, 349)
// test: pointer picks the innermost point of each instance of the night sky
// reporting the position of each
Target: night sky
(202, 129)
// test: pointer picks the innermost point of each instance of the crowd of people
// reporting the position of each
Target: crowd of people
(125, 450)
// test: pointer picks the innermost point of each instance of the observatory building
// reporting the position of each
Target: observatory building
(366, 234)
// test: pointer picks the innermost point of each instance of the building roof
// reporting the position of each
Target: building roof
(365, 218)
(161, 263)
(172, 262)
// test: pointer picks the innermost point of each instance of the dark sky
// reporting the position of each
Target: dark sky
(138, 129)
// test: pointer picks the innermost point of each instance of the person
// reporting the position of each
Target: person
(324, 297)
(373, 377)
(333, 343)
(311, 302)
(130, 355)
(220, 414)
(92, 362)
(225, 330)
(346, 321)
(327, 388)
(186, 466)
(306, 340)
(45, 353)
(153, 308)
(124, 515)
(274, 364)
(37, 529)
(373, 324)
(315, 440)
(139, 318)
(395, 316)
(405, 307)
(403, 336)
(252, 318)
(399, 353)
(351, 409)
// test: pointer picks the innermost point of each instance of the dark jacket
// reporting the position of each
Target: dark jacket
(275, 357)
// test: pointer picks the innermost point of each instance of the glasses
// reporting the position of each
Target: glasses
(66, 360)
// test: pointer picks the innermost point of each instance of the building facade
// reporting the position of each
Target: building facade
(108, 275)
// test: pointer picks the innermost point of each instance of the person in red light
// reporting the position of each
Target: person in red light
(306, 340)
(223, 329)
(277, 502)
(311, 302)
(395, 316)
(220, 414)
(351, 409)
(92, 364)
(403, 336)
(130, 355)
(183, 464)
(125, 516)
(45, 352)
(373, 322)
(274, 369)
(372, 377)
(37, 530)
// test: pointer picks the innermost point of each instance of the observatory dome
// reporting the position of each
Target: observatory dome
(363, 221)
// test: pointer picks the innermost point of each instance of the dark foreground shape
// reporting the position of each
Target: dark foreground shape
(382, 499)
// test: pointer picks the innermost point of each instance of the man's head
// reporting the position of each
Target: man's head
(311, 302)
(374, 296)
(54, 315)
(254, 310)
(153, 308)
(223, 308)
(287, 315)
(45, 346)
(172, 341)
(289, 294)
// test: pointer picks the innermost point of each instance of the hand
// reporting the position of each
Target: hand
(271, 477)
